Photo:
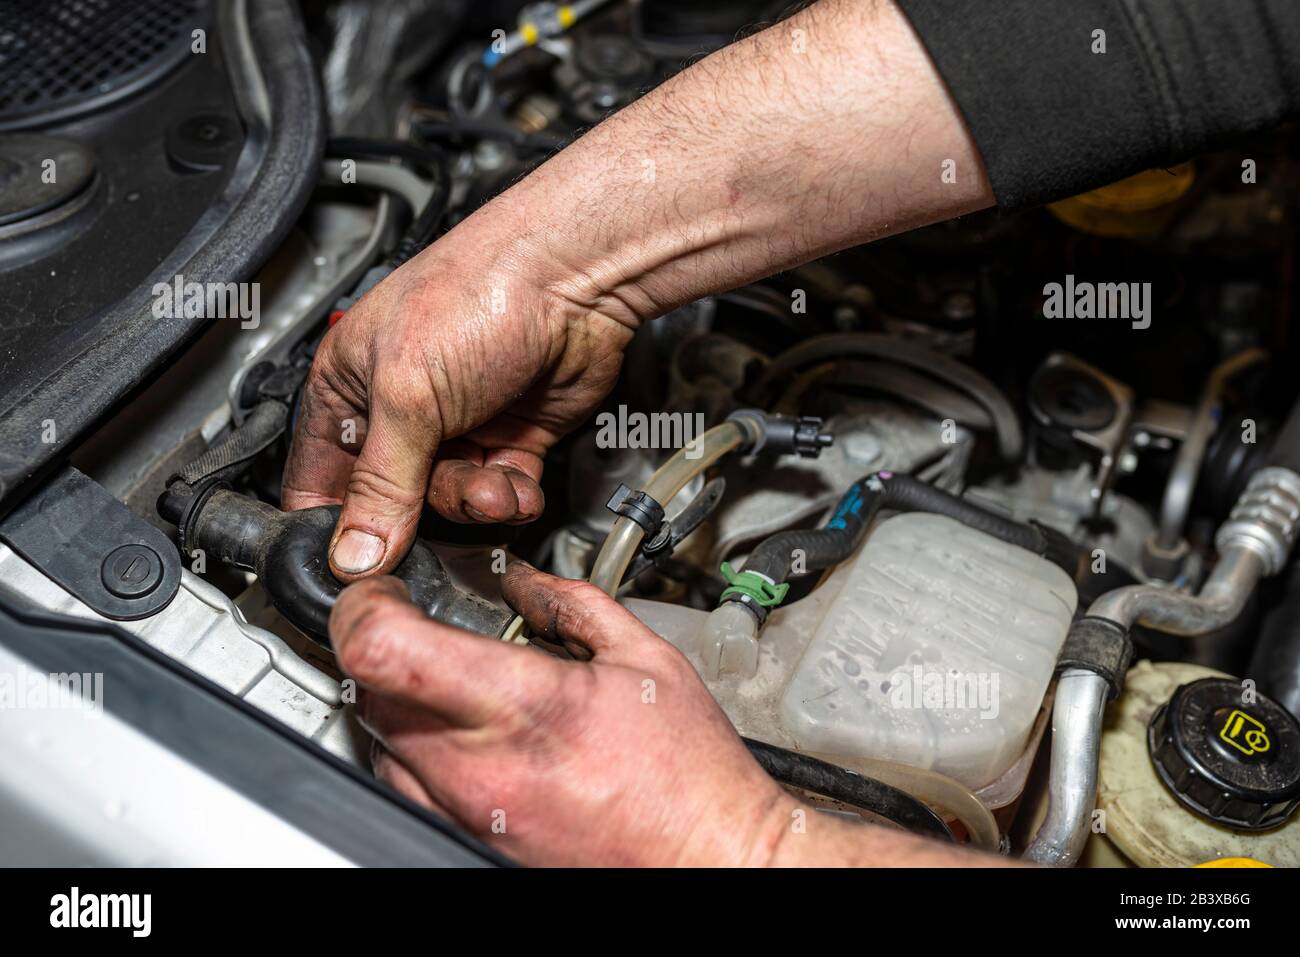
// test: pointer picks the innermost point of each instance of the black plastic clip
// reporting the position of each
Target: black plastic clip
(639, 507)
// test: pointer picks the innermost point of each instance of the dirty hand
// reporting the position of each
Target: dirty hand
(447, 383)
(622, 760)
(507, 331)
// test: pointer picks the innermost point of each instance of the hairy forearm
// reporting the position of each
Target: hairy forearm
(826, 130)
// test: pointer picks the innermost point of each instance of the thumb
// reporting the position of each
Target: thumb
(385, 494)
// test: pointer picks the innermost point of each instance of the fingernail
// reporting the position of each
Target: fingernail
(357, 551)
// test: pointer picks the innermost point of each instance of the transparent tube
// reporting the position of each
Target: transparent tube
(727, 642)
(673, 476)
(950, 798)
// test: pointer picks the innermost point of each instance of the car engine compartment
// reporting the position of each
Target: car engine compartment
(946, 561)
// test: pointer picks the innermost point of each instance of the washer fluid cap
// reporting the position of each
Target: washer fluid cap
(1232, 762)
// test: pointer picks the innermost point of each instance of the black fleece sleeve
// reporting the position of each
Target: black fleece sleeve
(1051, 117)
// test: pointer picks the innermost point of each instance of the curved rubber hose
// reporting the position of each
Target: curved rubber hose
(234, 455)
(945, 795)
(834, 542)
(1006, 424)
(848, 787)
(289, 552)
(906, 494)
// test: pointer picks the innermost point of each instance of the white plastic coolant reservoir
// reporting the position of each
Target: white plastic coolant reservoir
(932, 647)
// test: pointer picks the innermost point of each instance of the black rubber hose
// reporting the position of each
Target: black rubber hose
(818, 548)
(1286, 447)
(848, 787)
(424, 228)
(1006, 424)
(430, 160)
(831, 544)
(906, 494)
(289, 552)
(825, 547)
(261, 429)
(893, 379)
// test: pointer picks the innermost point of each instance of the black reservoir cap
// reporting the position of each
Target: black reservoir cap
(1232, 757)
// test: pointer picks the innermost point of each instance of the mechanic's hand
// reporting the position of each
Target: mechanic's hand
(621, 760)
(447, 382)
(506, 332)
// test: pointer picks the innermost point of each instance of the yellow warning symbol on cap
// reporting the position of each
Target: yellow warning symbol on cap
(1245, 733)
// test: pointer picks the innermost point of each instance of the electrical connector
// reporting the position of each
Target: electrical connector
(786, 434)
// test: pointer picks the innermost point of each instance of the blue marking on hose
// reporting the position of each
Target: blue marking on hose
(850, 504)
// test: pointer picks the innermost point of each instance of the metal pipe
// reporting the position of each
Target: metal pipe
(1081, 695)
(1076, 745)
(1254, 542)
(1182, 477)
(1218, 603)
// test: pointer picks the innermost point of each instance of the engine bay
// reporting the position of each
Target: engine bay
(996, 515)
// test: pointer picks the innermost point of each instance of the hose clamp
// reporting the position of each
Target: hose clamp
(182, 504)
(638, 506)
(757, 592)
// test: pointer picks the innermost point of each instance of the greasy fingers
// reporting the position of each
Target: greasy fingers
(577, 613)
(386, 491)
(392, 648)
(366, 442)
(473, 483)
(320, 460)
(467, 492)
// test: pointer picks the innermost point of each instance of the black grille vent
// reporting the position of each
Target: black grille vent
(63, 57)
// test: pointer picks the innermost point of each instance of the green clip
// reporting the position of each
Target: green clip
(754, 586)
